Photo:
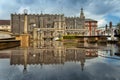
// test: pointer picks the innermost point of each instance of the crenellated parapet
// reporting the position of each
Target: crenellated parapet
(59, 22)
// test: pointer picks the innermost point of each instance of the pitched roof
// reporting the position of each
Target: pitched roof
(90, 20)
(4, 22)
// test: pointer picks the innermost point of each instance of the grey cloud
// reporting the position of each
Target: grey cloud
(68, 7)
(26, 2)
(69, 71)
(102, 7)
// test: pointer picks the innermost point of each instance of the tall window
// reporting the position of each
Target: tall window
(48, 26)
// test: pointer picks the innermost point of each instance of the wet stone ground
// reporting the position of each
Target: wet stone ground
(61, 61)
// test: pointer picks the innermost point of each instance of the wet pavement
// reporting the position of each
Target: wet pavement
(54, 60)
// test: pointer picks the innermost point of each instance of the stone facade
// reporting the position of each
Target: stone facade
(41, 26)
(75, 25)
(48, 25)
(5, 25)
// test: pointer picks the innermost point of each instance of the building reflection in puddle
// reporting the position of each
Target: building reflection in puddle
(50, 52)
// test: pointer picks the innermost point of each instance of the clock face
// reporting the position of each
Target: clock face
(25, 11)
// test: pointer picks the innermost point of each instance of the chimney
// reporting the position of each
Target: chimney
(106, 26)
(110, 24)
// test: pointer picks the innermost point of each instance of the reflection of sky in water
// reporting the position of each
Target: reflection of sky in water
(97, 68)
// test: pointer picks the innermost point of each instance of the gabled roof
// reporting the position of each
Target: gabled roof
(4, 22)
(90, 20)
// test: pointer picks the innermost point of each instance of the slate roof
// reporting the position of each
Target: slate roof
(4, 22)
(90, 20)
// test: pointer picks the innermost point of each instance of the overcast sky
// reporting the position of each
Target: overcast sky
(103, 11)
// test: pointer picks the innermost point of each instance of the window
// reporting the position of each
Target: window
(49, 19)
(48, 26)
(55, 17)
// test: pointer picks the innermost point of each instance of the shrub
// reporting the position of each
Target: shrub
(69, 37)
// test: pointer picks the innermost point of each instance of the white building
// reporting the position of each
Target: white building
(5, 25)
